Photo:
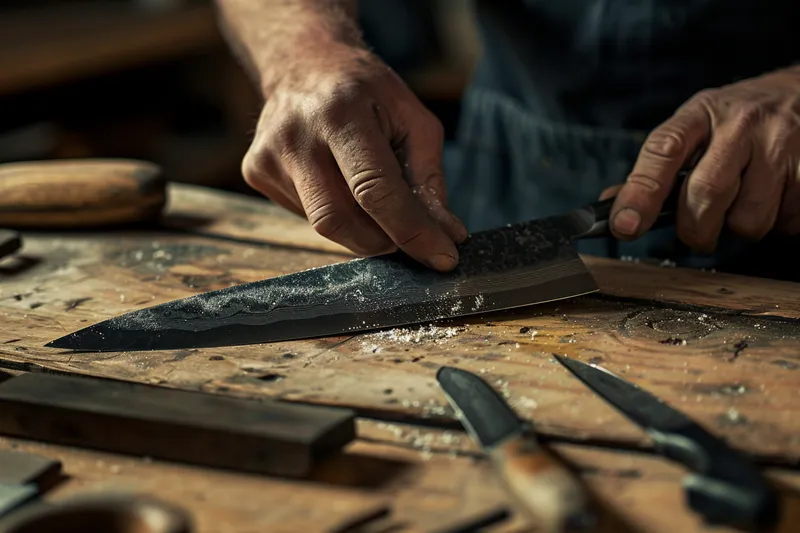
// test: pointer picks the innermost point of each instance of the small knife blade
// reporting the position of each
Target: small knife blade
(514, 266)
(545, 489)
(725, 488)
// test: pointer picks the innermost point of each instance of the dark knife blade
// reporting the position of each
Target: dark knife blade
(514, 266)
(549, 493)
(499, 269)
(726, 487)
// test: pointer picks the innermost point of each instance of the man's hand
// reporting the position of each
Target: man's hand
(748, 176)
(346, 143)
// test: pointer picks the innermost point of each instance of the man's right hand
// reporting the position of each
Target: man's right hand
(343, 141)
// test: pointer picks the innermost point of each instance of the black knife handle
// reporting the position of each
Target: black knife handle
(725, 488)
(10, 242)
(602, 210)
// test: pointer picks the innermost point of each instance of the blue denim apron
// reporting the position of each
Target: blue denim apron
(567, 90)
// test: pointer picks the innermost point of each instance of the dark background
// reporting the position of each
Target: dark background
(153, 79)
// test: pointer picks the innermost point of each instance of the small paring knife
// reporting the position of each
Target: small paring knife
(545, 489)
(725, 488)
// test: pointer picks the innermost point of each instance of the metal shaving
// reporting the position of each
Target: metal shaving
(423, 440)
(413, 336)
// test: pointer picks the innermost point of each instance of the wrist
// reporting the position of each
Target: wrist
(307, 65)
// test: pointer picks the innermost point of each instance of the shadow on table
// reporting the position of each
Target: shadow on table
(16, 265)
(357, 470)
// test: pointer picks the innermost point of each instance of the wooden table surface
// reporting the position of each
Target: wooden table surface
(722, 348)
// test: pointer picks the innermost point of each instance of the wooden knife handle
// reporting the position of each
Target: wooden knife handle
(80, 193)
(544, 488)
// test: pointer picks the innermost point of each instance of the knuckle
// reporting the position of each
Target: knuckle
(667, 142)
(646, 182)
(333, 105)
(783, 135)
(706, 190)
(746, 116)
(372, 191)
(704, 97)
(284, 135)
(255, 168)
(326, 220)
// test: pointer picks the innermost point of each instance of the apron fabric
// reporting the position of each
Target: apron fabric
(566, 92)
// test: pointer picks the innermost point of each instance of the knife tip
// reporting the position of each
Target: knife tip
(57, 343)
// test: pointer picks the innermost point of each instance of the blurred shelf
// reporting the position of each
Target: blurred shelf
(64, 43)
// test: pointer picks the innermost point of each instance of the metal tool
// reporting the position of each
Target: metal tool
(726, 487)
(23, 477)
(514, 266)
(10, 242)
(549, 493)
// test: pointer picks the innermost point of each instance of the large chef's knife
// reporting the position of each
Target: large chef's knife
(545, 489)
(725, 488)
(513, 266)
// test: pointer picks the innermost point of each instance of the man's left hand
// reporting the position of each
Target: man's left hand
(748, 176)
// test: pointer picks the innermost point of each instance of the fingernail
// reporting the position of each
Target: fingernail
(443, 262)
(627, 222)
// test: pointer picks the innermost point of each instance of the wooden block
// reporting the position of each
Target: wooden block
(265, 437)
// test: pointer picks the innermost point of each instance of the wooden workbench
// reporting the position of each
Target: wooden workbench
(723, 349)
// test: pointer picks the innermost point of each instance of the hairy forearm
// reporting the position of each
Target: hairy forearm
(270, 37)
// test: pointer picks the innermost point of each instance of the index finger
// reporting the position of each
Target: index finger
(373, 173)
(663, 155)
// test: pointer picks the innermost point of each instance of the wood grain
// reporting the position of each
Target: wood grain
(80, 193)
(728, 358)
(735, 374)
(145, 420)
(427, 490)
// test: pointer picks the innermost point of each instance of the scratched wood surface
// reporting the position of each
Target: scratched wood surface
(733, 367)
(722, 348)
(424, 483)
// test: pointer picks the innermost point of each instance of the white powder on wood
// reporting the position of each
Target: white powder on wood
(413, 335)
